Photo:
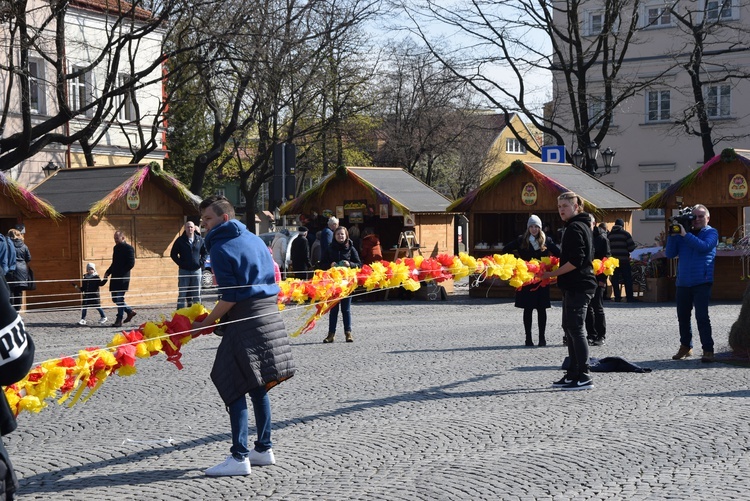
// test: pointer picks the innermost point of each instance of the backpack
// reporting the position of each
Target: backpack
(7, 255)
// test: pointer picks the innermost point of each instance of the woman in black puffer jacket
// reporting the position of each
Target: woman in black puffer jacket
(342, 253)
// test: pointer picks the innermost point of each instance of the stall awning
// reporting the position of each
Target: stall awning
(93, 189)
(559, 178)
(388, 184)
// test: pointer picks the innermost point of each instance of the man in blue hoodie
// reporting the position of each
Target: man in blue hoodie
(254, 354)
(695, 276)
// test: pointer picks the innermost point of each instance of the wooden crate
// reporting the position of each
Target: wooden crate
(657, 290)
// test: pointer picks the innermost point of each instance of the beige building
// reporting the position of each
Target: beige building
(506, 148)
(652, 148)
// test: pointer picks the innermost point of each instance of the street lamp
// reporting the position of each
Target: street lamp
(588, 162)
(49, 168)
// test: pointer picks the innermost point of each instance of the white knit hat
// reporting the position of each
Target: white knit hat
(91, 266)
(534, 220)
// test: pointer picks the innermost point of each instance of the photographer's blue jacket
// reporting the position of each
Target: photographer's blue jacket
(696, 253)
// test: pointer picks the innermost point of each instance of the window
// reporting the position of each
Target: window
(652, 188)
(718, 101)
(657, 16)
(513, 145)
(36, 86)
(220, 192)
(126, 111)
(721, 10)
(81, 91)
(597, 108)
(658, 105)
(595, 23)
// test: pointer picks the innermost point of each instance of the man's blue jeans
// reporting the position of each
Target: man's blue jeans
(697, 296)
(238, 422)
(189, 287)
(118, 297)
(346, 315)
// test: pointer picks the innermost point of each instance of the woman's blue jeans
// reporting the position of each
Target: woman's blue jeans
(238, 422)
(346, 315)
(697, 296)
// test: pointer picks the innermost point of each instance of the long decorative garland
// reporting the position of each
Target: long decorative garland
(68, 378)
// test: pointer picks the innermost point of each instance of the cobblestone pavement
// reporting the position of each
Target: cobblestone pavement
(433, 400)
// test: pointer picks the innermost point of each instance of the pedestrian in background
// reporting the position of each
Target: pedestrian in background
(89, 289)
(326, 238)
(342, 253)
(696, 250)
(596, 323)
(621, 244)
(123, 260)
(189, 254)
(316, 251)
(254, 354)
(371, 248)
(18, 279)
(576, 279)
(533, 244)
(301, 254)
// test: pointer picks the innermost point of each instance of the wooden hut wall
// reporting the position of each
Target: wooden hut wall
(60, 252)
(434, 233)
(10, 214)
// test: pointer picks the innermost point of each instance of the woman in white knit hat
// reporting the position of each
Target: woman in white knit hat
(533, 244)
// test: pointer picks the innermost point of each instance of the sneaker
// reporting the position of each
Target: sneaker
(264, 458)
(598, 341)
(584, 382)
(81, 322)
(103, 320)
(230, 468)
(566, 380)
(129, 317)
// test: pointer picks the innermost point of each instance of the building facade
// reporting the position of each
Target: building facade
(654, 131)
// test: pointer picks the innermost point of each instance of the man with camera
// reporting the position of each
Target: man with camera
(696, 250)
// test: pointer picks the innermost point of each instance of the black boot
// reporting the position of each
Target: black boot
(529, 342)
(542, 339)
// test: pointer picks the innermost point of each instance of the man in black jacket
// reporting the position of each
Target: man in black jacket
(123, 260)
(596, 324)
(301, 255)
(621, 244)
(189, 254)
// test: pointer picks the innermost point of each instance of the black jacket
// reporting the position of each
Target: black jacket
(343, 252)
(188, 256)
(620, 242)
(90, 289)
(578, 249)
(300, 254)
(20, 276)
(529, 253)
(123, 260)
(601, 248)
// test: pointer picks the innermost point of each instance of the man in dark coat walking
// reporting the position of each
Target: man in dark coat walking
(189, 254)
(301, 254)
(123, 260)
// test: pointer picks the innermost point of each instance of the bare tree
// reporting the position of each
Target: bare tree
(527, 37)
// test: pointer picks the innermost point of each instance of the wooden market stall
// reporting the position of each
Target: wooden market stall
(389, 200)
(500, 208)
(721, 184)
(149, 205)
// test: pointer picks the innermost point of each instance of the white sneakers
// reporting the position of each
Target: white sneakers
(230, 468)
(103, 320)
(81, 322)
(264, 458)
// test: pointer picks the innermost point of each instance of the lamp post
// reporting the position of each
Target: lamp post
(49, 168)
(587, 161)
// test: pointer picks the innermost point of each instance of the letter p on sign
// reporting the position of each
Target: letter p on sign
(554, 154)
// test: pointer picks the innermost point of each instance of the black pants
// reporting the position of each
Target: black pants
(541, 314)
(16, 297)
(575, 305)
(596, 324)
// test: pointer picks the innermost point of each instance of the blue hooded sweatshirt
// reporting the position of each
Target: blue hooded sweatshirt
(241, 262)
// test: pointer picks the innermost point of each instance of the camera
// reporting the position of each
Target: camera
(684, 217)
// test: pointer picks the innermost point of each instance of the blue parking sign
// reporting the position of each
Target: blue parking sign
(555, 154)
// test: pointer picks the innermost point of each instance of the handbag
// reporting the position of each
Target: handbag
(30, 282)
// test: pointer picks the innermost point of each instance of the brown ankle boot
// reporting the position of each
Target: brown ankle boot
(329, 339)
(349, 338)
(683, 353)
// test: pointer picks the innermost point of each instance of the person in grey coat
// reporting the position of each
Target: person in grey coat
(254, 354)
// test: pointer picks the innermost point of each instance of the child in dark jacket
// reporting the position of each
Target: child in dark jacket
(90, 289)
